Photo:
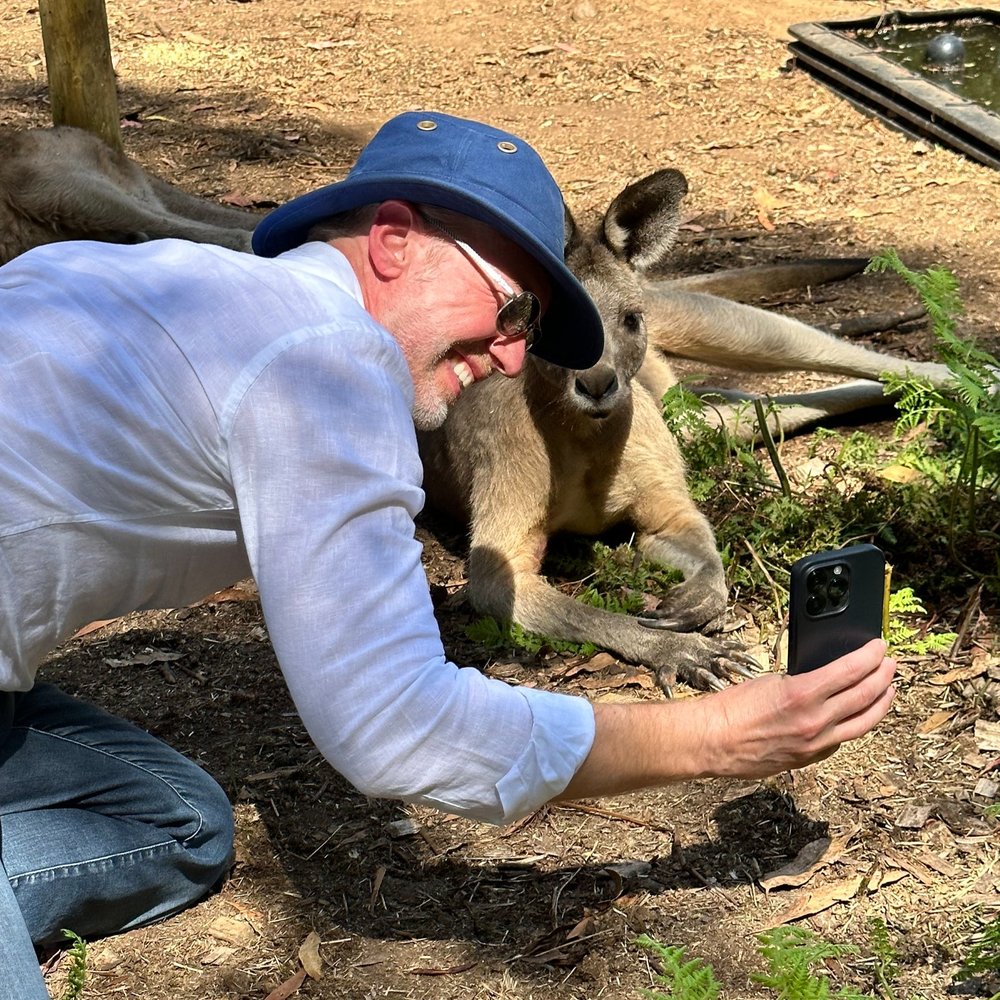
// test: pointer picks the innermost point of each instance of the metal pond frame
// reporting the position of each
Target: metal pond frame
(901, 97)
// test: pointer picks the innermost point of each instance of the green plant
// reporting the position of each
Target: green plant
(885, 969)
(967, 416)
(791, 954)
(686, 979)
(794, 956)
(497, 636)
(76, 959)
(705, 446)
(904, 638)
(983, 960)
(614, 578)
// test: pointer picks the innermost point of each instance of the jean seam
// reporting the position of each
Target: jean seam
(14, 879)
(128, 763)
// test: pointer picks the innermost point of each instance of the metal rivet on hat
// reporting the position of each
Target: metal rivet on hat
(506, 147)
(426, 125)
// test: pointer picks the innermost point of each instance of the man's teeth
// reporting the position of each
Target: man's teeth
(464, 373)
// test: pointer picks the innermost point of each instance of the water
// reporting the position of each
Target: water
(975, 77)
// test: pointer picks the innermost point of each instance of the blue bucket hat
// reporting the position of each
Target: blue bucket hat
(478, 171)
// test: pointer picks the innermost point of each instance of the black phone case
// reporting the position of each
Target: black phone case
(822, 624)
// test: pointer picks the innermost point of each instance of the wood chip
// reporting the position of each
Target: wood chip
(913, 817)
(232, 930)
(987, 735)
(911, 865)
(453, 970)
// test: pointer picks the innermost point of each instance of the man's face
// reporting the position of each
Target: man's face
(446, 319)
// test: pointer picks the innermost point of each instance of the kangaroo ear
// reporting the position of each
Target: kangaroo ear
(641, 223)
(572, 233)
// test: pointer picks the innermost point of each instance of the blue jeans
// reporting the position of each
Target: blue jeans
(103, 828)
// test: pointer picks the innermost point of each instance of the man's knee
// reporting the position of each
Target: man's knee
(211, 847)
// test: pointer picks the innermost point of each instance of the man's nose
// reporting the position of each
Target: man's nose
(508, 355)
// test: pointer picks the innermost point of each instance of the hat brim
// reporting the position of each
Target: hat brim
(571, 331)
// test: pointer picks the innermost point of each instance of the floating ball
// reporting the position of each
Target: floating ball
(945, 50)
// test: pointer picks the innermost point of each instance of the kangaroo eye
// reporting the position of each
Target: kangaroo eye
(632, 321)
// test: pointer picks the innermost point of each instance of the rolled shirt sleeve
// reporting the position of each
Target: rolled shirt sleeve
(326, 473)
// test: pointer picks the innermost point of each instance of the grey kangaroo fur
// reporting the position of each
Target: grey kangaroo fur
(553, 450)
(66, 184)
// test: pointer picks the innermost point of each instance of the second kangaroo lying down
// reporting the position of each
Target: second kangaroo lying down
(65, 184)
(551, 451)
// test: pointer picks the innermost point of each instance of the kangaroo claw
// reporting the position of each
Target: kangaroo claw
(706, 663)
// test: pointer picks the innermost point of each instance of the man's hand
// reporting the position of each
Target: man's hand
(781, 721)
(751, 730)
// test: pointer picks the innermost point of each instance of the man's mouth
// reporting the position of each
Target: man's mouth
(464, 374)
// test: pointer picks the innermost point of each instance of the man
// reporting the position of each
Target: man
(176, 416)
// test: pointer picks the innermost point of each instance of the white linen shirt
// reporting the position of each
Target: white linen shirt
(174, 417)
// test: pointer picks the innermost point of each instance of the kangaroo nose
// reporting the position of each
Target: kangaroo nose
(598, 382)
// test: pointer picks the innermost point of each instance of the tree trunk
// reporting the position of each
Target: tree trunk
(78, 62)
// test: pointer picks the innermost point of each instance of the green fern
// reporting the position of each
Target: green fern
(885, 968)
(968, 415)
(903, 638)
(76, 959)
(791, 953)
(686, 979)
(983, 960)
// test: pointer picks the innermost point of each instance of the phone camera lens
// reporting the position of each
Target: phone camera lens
(815, 604)
(839, 585)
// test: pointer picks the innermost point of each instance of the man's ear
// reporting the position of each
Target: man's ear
(391, 238)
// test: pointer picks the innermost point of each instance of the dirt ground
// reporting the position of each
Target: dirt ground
(256, 101)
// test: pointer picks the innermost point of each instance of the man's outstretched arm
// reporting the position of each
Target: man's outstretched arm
(751, 730)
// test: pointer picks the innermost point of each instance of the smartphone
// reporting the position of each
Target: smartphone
(837, 602)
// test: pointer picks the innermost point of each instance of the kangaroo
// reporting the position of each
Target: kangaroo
(553, 450)
(65, 183)
(558, 450)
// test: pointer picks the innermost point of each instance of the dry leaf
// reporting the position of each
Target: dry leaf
(766, 201)
(583, 928)
(959, 674)
(819, 900)
(288, 987)
(765, 221)
(92, 627)
(599, 661)
(935, 722)
(814, 856)
(901, 474)
(309, 956)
